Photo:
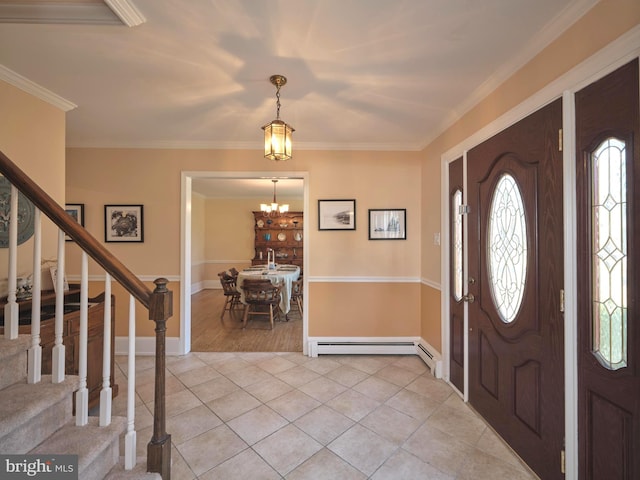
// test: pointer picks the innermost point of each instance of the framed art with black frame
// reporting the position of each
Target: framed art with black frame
(388, 224)
(123, 223)
(76, 211)
(337, 214)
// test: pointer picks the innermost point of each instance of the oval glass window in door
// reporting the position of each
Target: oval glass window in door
(507, 248)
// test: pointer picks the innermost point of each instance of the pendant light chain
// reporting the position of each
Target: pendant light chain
(278, 100)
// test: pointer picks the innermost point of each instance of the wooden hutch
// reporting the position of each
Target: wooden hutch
(282, 233)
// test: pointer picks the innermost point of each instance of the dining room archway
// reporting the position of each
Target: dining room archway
(187, 179)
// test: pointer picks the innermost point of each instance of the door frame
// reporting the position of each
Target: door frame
(186, 179)
(614, 55)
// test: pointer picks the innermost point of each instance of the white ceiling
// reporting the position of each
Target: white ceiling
(362, 74)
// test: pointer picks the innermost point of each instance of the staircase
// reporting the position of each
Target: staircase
(37, 419)
(36, 410)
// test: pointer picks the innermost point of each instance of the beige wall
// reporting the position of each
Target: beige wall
(364, 309)
(602, 24)
(32, 135)
(230, 226)
(144, 326)
(229, 229)
(430, 325)
(375, 179)
(32, 132)
(226, 228)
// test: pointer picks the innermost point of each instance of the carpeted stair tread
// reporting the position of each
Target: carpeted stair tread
(13, 355)
(11, 347)
(139, 472)
(88, 441)
(22, 401)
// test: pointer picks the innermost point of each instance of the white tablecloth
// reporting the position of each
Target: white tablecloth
(284, 275)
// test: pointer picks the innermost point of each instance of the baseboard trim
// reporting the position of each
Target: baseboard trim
(146, 346)
(205, 285)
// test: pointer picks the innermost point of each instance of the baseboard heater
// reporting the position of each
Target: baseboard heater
(366, 348)
(419, 347)
(432, 361)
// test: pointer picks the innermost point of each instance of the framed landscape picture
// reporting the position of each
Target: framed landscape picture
(76, 211)
(123, 223)
(336, 214)
(390, 224)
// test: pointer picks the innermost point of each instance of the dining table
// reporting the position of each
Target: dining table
(284, 274)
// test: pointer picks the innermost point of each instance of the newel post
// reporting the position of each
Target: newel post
(159, 448)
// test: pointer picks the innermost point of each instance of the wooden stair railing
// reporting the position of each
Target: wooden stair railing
(159, 302)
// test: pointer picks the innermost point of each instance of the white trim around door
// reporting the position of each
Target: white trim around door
(608, 59)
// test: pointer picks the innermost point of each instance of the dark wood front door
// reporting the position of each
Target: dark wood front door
(456, 274)
(516, 334)
(608, 233)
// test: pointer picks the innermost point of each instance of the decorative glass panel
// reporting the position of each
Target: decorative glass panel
(456, 218)
(609, 253)
(507, 248)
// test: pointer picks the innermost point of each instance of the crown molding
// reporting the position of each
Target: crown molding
(127, 12)
(53, 13)
(34, 89)
(111, 12)
(204, 145)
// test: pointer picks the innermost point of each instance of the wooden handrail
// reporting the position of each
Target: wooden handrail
(159, 303)
(77, 232)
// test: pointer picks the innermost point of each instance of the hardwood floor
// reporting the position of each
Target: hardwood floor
(211, 334)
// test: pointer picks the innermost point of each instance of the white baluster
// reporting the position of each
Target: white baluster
(34, 369)
(82, 395)
(11, 308)
(130, 437)
(105, 393)
(58, 354)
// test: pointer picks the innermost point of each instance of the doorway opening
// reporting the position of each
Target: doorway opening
(186, 254)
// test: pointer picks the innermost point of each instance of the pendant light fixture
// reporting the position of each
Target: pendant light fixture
(277, 134)
(273, 208)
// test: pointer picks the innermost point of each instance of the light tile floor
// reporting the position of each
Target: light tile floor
(285, 415)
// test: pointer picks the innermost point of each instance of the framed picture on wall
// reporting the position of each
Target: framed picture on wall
(76, 211)
(123, 223)
(389, 224)
(336, 214)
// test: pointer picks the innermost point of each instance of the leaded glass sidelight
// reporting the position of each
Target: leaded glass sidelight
(456, 218)
(609, 253)
(507, 247)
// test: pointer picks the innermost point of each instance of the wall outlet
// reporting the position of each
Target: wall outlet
(436, 239)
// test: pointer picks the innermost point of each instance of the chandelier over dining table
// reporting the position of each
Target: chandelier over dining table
(274, 208)
(277, 134)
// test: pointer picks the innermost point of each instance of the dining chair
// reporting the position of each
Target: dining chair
(255, 281)
(231, 293)
(234, 272)
(259, 294)
(296, 293)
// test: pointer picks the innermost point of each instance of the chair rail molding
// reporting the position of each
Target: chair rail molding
(363, 279)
